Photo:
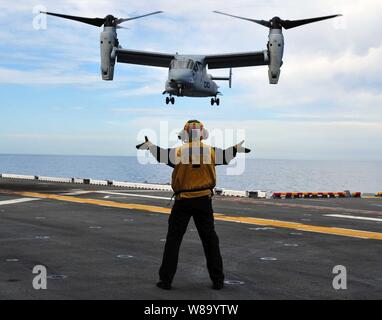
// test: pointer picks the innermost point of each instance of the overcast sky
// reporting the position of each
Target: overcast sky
(327, 105)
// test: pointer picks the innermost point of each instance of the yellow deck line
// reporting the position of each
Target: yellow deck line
(221, 217)
(98, 202)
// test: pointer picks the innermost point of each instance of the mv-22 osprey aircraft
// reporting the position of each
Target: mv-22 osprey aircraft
(188, 74)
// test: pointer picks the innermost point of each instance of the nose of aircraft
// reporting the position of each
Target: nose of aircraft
(183, 76)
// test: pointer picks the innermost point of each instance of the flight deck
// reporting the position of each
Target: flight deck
(103, 242)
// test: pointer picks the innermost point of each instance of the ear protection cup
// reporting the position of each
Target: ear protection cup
(205, 134)
(182, 135)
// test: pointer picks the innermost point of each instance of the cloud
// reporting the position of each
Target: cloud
(46, 77)
(143, 91)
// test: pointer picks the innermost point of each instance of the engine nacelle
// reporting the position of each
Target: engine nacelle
(276, 52)
(108, 41)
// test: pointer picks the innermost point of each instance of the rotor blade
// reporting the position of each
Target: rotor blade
(138, 17)
(98, 22)
(288, 24)
(261, 22)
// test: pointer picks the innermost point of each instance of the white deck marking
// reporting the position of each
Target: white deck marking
(14, 201)
(136, 190)
(77, 193)
(133, 195)
(352, 217)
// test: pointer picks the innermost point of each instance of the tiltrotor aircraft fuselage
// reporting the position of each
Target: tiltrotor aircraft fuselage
(188, 74)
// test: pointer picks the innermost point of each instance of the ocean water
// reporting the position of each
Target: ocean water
(259, 174)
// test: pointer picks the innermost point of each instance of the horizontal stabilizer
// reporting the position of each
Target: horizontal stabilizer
(229, 78)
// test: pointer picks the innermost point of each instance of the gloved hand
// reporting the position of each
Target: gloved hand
(145, 145)
(240, 149)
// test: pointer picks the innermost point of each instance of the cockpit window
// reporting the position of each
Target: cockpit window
(182, 64)
(190, 64)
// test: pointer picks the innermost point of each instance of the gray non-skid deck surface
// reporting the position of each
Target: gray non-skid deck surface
(114, 253)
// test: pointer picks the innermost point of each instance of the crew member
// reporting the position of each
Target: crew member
(193, 182)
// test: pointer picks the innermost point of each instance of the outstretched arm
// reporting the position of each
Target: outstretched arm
(224, 157)
(160, 154)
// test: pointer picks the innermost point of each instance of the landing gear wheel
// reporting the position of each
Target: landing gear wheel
(172, 100)
(212, 101)
(217, 101)
(167, 100)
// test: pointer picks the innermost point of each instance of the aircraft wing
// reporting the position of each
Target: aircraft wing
(237, 60)
(144, 58)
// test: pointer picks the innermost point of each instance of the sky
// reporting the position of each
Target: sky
(327, 105)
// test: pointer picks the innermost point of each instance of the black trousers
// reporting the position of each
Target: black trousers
(201, 210)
